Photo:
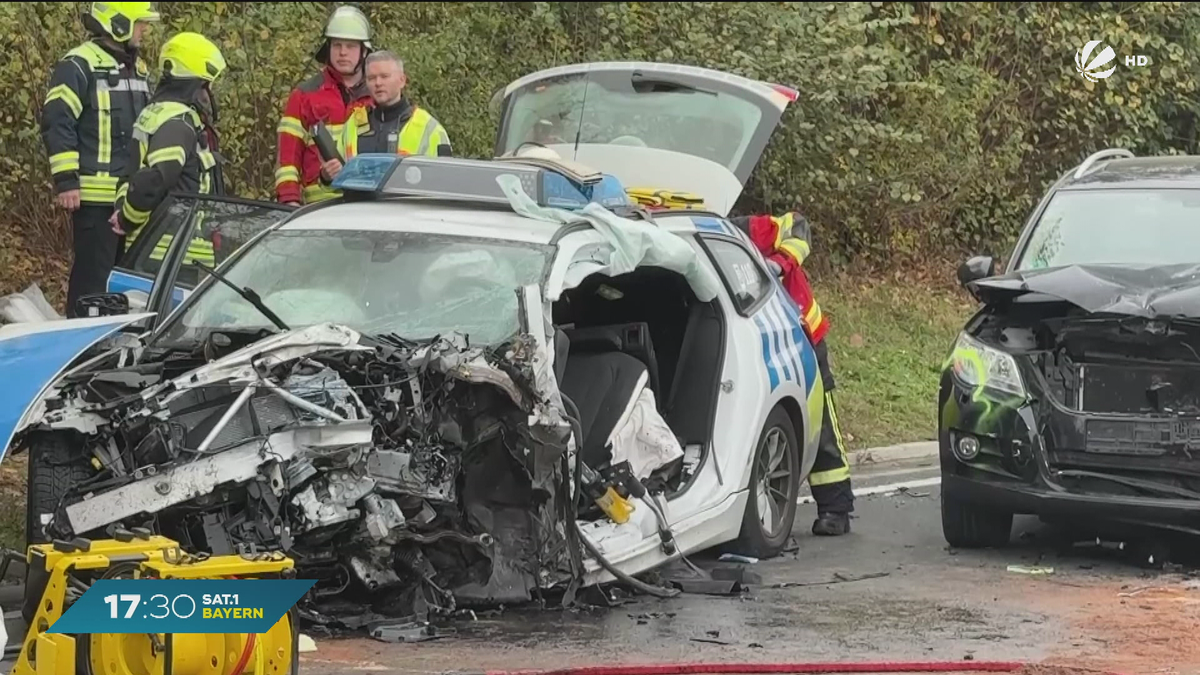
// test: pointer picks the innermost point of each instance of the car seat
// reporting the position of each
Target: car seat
(602, 386)
(629, 338)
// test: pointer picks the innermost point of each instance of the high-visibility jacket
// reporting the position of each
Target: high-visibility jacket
(87, 119)
(174, 152)
(400, 129)
(784, 239)
(321, 98)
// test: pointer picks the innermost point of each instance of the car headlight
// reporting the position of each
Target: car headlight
(978, 365)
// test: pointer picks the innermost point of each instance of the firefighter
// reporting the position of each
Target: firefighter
(394, 125)
(96, 92)
(176, 143)
(333, 96)
(784, 242)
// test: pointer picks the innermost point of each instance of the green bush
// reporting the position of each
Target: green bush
(921, 128)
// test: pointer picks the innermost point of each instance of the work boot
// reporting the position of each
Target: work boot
(831, 524)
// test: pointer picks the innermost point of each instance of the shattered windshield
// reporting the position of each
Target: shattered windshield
(1128, 226)
(414, 285)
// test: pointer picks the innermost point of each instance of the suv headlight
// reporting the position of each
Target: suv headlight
(978, 365)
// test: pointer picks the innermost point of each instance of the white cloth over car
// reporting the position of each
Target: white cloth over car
(643, 438)
(635, 243)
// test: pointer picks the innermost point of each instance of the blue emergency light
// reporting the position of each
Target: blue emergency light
(473, 180)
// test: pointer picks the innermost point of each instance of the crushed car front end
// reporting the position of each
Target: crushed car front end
(1071, 396)
(409, 476)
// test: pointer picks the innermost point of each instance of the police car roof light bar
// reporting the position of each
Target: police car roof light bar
(469, 180)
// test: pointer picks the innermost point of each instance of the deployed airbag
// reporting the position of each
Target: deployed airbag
(635, 243)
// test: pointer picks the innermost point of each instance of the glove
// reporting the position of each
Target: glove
(774, 267)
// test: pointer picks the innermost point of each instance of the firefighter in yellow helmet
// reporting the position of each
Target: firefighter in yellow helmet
(96, 92)
(175, 143)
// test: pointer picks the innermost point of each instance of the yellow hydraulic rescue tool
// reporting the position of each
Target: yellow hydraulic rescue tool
(59, 573)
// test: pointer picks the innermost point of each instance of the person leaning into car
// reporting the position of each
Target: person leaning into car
(394, 125)
(783, 241)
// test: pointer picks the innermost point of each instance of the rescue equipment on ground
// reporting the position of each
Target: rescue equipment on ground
(60, 572)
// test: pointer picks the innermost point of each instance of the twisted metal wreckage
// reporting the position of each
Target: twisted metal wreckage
(407, 477)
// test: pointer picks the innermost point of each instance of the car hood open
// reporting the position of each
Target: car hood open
(1148, 291)
(654, 126)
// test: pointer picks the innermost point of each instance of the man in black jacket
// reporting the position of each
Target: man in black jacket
(96, 93)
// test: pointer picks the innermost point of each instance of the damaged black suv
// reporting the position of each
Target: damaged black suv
(1073, 393)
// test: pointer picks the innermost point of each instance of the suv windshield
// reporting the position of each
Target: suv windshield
(413, 285)
(1124, 226)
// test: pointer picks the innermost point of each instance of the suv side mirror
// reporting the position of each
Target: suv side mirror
(979, 267)
(102, 304)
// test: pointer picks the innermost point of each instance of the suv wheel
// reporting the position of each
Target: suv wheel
(970, 526)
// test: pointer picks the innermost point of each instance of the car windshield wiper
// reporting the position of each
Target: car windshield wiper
(247, 293)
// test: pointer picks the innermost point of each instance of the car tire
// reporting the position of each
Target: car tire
(52, 472)
(967, 525)
(755, 539)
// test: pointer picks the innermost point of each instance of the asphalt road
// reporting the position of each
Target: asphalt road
(890, 591)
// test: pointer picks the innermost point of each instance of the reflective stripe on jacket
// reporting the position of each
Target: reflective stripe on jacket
(173, 154)
(321, 98)
(784, 239)
(87, 120)
(418, 133)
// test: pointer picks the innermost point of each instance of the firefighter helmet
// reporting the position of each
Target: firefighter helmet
(191, 56)
(117, 18)
(346, 23)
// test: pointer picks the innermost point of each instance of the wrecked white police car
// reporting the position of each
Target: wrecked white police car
(398, 387)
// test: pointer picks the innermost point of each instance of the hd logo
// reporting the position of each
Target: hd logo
(1094, 69)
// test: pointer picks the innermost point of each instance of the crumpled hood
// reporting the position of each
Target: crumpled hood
(1148, 291)
(34, 355)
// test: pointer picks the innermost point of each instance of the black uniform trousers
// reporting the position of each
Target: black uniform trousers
(830, 476)
(97, 250)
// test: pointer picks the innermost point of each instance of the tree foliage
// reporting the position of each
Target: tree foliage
(922, 126)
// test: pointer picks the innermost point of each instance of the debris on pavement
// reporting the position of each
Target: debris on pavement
(1030, 569)
(726, 580)
(733, 557)
(838, 578)
(646, 617)
(736, 573)
(306, 644)
(408, 632)
(1143, 589)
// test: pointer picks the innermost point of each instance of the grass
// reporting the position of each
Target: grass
(887, 344)
(12, 502)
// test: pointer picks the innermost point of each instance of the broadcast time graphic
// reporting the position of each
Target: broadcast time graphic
(181, 606)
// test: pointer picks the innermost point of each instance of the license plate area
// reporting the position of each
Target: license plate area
(1146, 438)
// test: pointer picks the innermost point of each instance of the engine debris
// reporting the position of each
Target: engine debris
(390, 470)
